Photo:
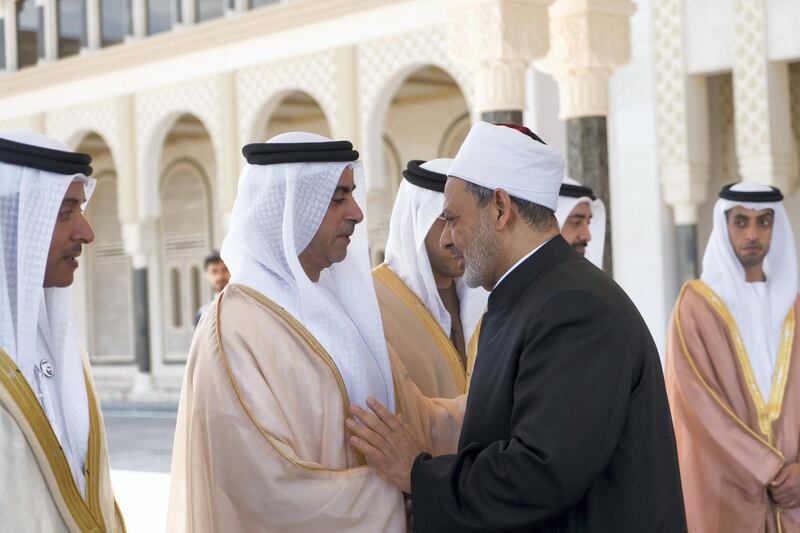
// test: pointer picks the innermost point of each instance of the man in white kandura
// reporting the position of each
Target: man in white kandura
(54, 469)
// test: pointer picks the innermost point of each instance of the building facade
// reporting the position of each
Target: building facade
(690, 94)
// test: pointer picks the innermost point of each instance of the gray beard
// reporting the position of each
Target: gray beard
(478, 258)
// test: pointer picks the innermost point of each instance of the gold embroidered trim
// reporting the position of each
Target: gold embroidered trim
(724, 406)
(771, 411)
(393, 282)
(315, 346)
(21, 393)
(92, 467)
(472, 352)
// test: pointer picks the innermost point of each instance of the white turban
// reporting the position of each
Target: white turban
(277, 212)
(500, 157)
(724, 273)
(415, 210)
(597, 226)
(30, 200)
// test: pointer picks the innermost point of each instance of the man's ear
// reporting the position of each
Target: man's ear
(503, 209)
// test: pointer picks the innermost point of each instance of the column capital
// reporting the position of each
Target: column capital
(589, 39)
(140, 239)
(499, 39)
(684, 187)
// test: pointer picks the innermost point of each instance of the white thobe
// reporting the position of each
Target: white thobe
(760, 342)
(47, 391)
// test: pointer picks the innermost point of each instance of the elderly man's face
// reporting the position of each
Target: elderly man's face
(576, 228)
(468, 233)
(329, 244)
(71, 232)
(750, 233)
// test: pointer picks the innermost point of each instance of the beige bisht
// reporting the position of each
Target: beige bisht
(261, 444)
(37, 489)
(731, 442)
(420, 342)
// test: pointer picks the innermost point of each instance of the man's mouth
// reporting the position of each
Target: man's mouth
(72, 258)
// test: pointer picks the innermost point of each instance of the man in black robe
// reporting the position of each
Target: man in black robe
(567, 425)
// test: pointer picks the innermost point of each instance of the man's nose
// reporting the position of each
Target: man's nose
(586, 234)
(83, 232)
(444, 240)
(750, 232)
(355, 214)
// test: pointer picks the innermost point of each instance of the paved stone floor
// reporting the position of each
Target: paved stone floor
(140, 445)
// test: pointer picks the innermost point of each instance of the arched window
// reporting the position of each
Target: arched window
(185, 228)
(176, 298)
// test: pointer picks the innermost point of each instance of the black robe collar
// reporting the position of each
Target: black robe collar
(526, 272)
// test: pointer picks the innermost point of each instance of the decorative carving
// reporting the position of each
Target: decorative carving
(682, 151)
(727, 146)
(761, 102)
(155, 110)
(499, 39)
(101, 117)
(794, 95)
(155, 107)
(384, 63)
(588, 40)
(669, 80)
(257, 87)
(29, 122)
(382, 66)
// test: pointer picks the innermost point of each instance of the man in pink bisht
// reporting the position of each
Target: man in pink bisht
(732, 378)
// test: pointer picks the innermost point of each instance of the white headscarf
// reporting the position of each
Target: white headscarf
(415, 210)
(723, 272)
(30, 200)
(500, 157)
(277, 212)
(597, 226)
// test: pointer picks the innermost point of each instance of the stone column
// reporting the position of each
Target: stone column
(682, 134)
(140, 243)
(188, 12)
(49, 28)
(240, 6)
(762, 104)
(588, 40)
(139, 235)
(139, 16)
(499, 39)
(94, 35)
(10, 22)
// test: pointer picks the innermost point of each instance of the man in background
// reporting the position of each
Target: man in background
(217, 276)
